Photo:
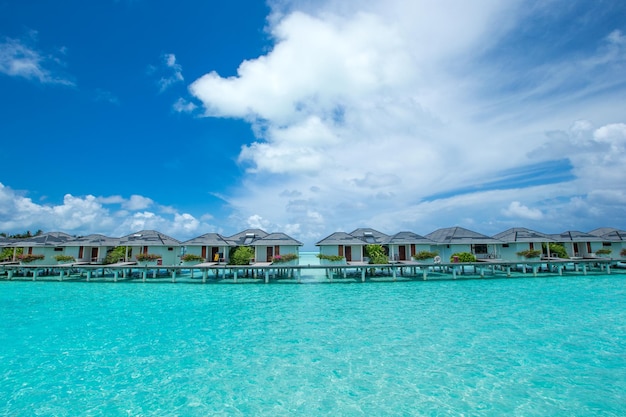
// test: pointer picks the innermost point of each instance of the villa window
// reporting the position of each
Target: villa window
(480, 249)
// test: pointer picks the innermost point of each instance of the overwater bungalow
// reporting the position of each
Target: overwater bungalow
(274, 245)
(612, 239)
(452, 240)
(579, 244)
(91, 248)
(403, 245)
(212, 247)
(151, 242)
(342, 244)
(43, 248)
(520, 239)
(246, 238)
(370, 236)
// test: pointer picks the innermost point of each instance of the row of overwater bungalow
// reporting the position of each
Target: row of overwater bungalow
(214, 248)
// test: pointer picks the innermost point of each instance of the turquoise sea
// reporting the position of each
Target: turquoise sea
(517, 347)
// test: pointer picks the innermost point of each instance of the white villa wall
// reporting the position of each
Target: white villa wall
(510, 253)
(168, 257)
(446, 251)
(394, 250)
(197, 250)
(260, 252)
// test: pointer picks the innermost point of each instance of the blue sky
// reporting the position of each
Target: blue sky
(312, 117)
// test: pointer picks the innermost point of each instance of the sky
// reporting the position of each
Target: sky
(311, 117)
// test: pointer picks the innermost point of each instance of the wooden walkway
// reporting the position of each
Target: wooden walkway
(265, 272)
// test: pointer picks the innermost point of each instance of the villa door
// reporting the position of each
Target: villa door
(402, 252)
(94, 254)
(348, 251)
(270, 253)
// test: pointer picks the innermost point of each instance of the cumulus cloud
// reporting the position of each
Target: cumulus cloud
(516, 209)
(19, 59)
(137, 202)
(113, 216)
(386, 113)
(183, 106)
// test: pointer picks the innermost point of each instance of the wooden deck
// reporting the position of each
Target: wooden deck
(350, 272)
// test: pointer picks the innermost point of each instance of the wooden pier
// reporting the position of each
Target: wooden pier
(351, 272)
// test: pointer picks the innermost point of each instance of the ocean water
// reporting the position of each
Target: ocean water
(516, 347)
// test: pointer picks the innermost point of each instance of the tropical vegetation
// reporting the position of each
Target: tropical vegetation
(529, 253)
(278, 259)
(558, 250)
(462, 257)
(190, 257)
(424, 255)
(7, 253)
(331, 258)
(147, 257)
(114, 255)
(30, 257)
(603, 251)
(64, 258)
(241, 255)
(376, 254)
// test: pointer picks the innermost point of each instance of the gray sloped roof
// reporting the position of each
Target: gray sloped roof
(340, 238)
(521, 234)
(93, 240)
(575, 236)
(148, 238)
(207, 239)
(407, 238)
(369, 236)
(460, 236)
(44, 239)
(610, 233)
(276, 239)
(246, 237)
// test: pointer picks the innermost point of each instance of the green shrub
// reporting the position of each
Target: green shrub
(7, 253)
(145, 257)
(463, 257)
(530, 253)
(279, 259)
(190, 257)
(558, 250)
(29, 257)
(377, 255)
(114, 255)
(64, 258)
(424, 255)
(623, 252)
(241, 255)
(603, 252)
(331, 258)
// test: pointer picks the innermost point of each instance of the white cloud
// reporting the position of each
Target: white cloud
(257, 222)
(18, 59)
(183, 106)
(394, 113)
(174, 72)
(106, 96)
(517, 210)
(137, 202)
(113, 216)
